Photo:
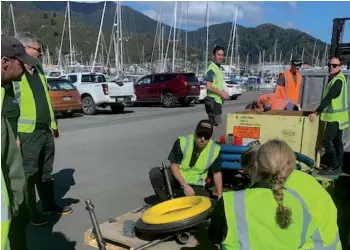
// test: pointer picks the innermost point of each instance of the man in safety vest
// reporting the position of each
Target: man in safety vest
(12, 174)
(334, 110)
(271, 101)
(37, 128)
(289, 83)
(215, 87)
(191, 158)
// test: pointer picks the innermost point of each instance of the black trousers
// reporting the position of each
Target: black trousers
(18, 229)
(333, 145)
(38, 152)
(213, 110)
(158, 182)
(341, 197)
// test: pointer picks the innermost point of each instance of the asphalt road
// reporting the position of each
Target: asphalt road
(107, 158)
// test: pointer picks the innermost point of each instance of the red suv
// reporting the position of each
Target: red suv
(168, 88)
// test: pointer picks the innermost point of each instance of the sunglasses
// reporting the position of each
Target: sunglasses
(297, 65)
(206, 136)
(331, 65)
(37, 49)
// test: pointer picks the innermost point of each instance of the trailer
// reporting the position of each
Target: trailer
(113, 233)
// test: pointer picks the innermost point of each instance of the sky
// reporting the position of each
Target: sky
(314, 18)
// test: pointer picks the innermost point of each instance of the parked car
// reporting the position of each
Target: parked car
(65, 98)
(95, 92)
(233, 89)
(203, 92)
(168, 89)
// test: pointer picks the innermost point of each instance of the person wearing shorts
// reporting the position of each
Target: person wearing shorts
(215, 88)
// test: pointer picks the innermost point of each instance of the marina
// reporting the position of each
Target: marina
(118, 116)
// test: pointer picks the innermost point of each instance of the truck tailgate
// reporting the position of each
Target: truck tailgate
(121, 88)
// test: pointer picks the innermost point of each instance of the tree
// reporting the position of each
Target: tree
(55, 33)
(53, 22)
(54, 14)
(45, 15)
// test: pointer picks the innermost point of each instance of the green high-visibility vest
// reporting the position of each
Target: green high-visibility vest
(217, 83)
(338, 109)
(5, 208)
(250, 216)
(197, 174)
(25, 98)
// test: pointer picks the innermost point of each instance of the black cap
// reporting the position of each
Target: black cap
(205, 127)
(296, 61)
(12, 48)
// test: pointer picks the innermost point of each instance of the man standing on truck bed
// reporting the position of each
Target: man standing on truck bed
(37, 128)
(334, 110)
(215, 88)
(289, 83)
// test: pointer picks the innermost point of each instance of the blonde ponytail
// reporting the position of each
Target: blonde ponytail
(283, 214)
(275, 162)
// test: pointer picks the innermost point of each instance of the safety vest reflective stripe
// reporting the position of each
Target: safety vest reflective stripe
(17, 91)
(30, 122)
(306, 215)
(210, 159)
(318, 243)
(187, 143)
(242, 224)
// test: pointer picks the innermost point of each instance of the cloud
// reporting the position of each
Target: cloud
(219, 12)
(289, 25)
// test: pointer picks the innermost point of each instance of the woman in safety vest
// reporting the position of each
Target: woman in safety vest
(282, 209)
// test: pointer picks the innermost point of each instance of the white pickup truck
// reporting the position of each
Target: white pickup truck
(96, 92)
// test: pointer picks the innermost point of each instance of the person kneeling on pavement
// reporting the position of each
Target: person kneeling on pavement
(191, 158)
(271, 102)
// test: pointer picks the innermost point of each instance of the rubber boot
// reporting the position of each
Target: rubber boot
(30, 198)
(47, 191)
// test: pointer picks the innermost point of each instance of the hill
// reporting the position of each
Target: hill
(46, 19)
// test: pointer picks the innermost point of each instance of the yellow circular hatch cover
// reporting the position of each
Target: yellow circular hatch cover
(176, 210)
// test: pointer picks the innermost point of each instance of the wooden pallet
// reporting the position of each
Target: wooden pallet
(114, 236)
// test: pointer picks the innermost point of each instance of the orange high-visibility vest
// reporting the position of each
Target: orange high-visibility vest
(291, 89)
(273, 99)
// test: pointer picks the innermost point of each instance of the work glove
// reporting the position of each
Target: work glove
(267, 107)
(290, 106)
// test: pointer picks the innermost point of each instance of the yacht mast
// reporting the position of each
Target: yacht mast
(207, 46)
(99, 37)
(174, 38)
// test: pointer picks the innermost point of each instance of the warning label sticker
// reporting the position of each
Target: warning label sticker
(246, 132)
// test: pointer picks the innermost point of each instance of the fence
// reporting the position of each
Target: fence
(313, 85)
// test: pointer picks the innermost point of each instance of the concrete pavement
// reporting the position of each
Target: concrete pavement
(107, 158)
